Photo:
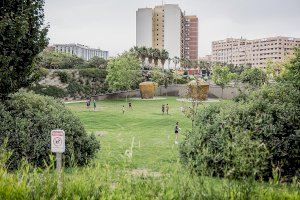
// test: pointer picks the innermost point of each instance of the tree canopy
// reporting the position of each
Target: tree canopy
(222, 76)
(254, 77)
(22, 38)
(59, 60)
(123, 72)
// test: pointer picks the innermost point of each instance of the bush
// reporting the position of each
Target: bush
(59, 60)
(93, 73)
(49, 90)
(97, 62)
(27, 119)
(181, 80)
(64, 76)
(43, 72)
(74, 89)
(249, 138)
(254, 77)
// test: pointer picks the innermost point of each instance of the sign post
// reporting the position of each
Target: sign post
(58, 147)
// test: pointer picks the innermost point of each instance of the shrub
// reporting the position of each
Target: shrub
(74, 89)
(43, 72)
(249, 138)
(254, 77)
(181, 80)
(27, 119)
(64, 76)
(97, 62)
(59, 60)
(93, 73)
(49, 90)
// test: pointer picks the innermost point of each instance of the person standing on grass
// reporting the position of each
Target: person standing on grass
(167, 109)
(177, 129)
(163, 109)
(123, 109)
(88, 102)
(94, 102)
(129, 105)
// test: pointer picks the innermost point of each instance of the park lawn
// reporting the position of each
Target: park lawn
(152, 133)
(153, 153)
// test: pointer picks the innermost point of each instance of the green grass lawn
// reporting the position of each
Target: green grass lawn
(154, 153)
(152, 132)
(153, 172)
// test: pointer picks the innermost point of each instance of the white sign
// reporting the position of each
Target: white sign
(57, 141)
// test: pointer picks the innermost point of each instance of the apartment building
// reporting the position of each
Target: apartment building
(190, 48)
(255, 52)
(81, 51)
(166, 27)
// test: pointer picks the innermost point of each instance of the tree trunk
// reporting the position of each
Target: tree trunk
(222, 92)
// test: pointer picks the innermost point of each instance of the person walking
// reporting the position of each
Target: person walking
(177, 129)
(94, 102)
(167, 109)
(123, 109)
(163, 109)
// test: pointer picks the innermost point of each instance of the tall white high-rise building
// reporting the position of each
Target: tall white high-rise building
(144, 27)
(167, 27)
(172, 30)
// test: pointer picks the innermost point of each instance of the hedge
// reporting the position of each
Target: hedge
(26, 120)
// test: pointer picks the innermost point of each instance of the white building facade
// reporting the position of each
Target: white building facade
(172, 30)
(144, 27)
(81, 51)
(163, 27)
(257, 52)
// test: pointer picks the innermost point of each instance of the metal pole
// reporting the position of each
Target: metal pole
(58, 168)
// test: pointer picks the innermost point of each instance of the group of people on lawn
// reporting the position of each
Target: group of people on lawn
(164, 109)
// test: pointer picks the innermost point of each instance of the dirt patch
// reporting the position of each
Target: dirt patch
(144, 173)
(100, 133)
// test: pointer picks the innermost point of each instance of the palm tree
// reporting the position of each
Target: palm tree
(143, 53)
(135, 50)
(150, 52)
(184, 62)
(164, 55)
(156, 56)
(169, 62)
(176, 60)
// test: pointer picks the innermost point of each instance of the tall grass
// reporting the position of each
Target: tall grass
(99, 181)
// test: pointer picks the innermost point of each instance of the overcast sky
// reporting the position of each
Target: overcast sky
(110, 24)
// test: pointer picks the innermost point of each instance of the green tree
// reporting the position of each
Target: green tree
(59, 60)
(254, 77)
(176, 61)
(97, 62)
(123, 72)
(164, 55)
(156, 56)
(157, 76)
(291, 71)
(22, 38)
(143, 54)
(150, 54)
(222, 76)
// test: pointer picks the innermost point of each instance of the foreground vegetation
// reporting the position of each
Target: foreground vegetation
(152, 171)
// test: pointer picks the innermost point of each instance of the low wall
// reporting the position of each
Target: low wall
(214, 91)
(118, 95)
(174, 90)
